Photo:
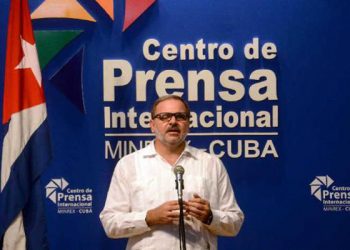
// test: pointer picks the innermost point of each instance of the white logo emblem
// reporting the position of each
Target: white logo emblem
(52, 187)
(317, 183)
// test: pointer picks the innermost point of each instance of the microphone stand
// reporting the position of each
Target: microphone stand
(182, 235)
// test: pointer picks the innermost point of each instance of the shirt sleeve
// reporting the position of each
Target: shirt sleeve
(227, 215)
(117, 218)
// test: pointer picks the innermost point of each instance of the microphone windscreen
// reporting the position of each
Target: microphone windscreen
(179, 170)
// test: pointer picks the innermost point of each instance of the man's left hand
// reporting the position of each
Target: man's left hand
(198, 208)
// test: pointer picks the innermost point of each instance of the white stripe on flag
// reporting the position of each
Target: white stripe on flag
(15, 237)
(21, 127)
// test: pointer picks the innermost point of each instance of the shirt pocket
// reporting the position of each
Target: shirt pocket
(142, 194)
(197, 185)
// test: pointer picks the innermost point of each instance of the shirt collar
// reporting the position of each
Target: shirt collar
(150, 151)
(190, 151)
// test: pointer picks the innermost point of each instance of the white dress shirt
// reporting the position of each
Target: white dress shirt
(143, 180)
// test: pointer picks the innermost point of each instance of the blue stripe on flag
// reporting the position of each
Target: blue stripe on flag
(23, 191)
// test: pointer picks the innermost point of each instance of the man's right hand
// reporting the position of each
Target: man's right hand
(167, 213)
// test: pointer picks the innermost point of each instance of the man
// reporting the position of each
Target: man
(142, 201)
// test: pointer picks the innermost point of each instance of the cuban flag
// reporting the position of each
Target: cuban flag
(26, 147)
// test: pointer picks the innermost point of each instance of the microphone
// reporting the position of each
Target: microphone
(179, 182)
(179, 185)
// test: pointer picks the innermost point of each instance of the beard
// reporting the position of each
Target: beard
(167, 138)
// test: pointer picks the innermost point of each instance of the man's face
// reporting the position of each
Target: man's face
(170, 132)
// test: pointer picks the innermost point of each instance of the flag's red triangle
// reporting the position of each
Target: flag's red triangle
(21, 87)
(134, 9)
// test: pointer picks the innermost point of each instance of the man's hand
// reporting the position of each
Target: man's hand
(167, 213)
(198, 208)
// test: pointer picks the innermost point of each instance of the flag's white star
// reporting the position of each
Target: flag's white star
(30, 60)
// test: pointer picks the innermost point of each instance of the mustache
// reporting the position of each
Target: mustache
(173, 128)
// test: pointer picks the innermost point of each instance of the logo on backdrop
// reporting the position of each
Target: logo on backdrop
(334, 198)
(69, 200)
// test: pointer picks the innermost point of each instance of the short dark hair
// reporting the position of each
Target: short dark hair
(169, 97)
